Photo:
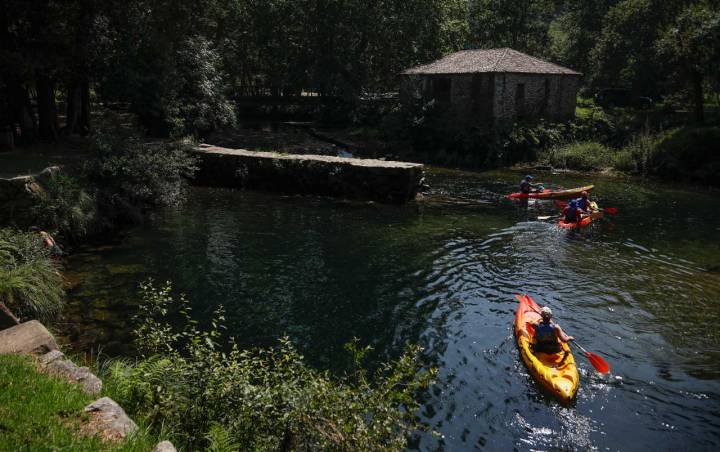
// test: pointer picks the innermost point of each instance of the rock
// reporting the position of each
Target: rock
(108, 420)
(49, 357)
(28, 337)
(70, 371)
(367, 179)
(164, 446)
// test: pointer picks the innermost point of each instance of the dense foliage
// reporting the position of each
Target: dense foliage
(206, 391)
(121, 178)
(30, 285)
(181, 65)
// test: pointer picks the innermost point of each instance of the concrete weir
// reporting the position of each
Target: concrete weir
(377, 180)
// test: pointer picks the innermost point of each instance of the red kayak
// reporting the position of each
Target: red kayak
(584, 221)
(548, 194)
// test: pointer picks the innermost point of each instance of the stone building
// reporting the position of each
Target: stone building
(494, 85)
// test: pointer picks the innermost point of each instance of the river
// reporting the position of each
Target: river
(642, 289)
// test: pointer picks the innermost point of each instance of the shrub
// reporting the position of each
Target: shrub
(586, 155)
(688, 153)
(131, 173)
(30, 285)
(259, 399)
(636, 156)
(67, 207)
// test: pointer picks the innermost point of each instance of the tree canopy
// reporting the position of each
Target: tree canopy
(181, 64)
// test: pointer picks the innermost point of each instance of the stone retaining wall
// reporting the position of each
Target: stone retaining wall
(377, 180)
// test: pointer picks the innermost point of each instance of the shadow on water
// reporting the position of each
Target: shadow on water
(634, 288)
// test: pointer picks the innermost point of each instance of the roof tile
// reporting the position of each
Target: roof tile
(490, 60)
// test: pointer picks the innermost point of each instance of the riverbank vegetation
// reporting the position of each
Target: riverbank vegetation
(122, 177)
(30, 285)
(40, 412)
(198, 385)
(683, 153)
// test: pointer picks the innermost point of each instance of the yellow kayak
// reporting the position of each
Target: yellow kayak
(548, 194)
(556, 372)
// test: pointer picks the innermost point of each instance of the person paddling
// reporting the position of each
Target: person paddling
(548, 335)
(526, 185)
(571, 212)
(584, 203)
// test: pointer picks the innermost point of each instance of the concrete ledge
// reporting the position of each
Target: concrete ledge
(28, 337)
(378, 180)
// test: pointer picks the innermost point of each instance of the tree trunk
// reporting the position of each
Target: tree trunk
(72, 111)
(47, 110)
(20, 114)
(697, 81)
(8, 313)
(84, 107)
(78, 107)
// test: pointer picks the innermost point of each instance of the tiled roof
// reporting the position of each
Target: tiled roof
(490, 60)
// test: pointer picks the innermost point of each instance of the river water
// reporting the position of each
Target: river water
(641, 289)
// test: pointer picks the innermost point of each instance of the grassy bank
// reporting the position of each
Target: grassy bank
(686, 154)
(39, 412)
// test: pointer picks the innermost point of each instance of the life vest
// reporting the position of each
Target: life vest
(571, 214)
(525, 187)
(583, 203)
(545, 334)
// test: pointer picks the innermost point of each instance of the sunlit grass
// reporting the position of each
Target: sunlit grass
(39, 412)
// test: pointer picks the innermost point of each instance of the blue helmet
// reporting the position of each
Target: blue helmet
(529, 177)
(573, 203)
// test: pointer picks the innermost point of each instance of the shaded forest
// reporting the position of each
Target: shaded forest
(181, 65)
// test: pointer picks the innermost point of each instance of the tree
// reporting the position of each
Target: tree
(519, 24)
(692, 44)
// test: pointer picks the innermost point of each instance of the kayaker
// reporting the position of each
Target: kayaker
(583, 202)
(548, 335)
(571, 212)
(526, 185)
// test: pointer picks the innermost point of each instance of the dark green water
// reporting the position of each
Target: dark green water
(637, 289)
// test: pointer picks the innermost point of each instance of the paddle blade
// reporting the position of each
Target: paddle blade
(598, 363)
(611, 210)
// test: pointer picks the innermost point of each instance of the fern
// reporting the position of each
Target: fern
(220, 440)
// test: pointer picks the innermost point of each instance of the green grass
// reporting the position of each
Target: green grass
(39, 412)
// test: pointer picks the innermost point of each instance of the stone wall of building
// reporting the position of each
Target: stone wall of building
(545, 96)
(487, 97)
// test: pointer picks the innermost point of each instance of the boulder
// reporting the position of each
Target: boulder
(28, 337)
(164, 446)
(108, 420)
(56, 363)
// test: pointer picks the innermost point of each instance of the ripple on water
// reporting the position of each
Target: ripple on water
(445, 276)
